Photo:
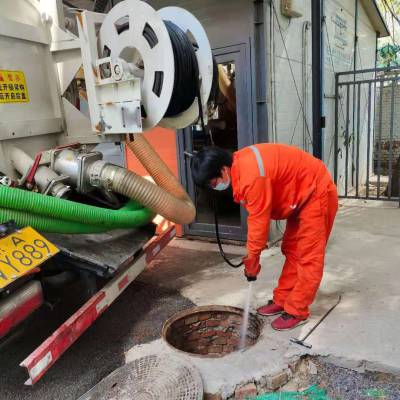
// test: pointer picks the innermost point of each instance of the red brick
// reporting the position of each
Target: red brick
(208, 334)
(194, 336)
(212, 323)
(225, 323)
(228, 349)
(219, 327)
(204, 317)
(215, 349)
(236, 318)
(219, 340)
(203, 342)
(233, 342)
(222, 334)
(191, 320)
(245, 391)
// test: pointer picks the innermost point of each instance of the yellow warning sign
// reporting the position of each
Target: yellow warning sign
(13, 87)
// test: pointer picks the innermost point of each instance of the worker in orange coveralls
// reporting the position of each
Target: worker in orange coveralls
(279, 182)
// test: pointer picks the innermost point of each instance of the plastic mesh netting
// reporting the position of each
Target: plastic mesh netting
(312, 393)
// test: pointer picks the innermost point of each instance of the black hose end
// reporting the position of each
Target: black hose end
(251, 278)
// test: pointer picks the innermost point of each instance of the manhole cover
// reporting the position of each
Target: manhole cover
(150, 378)
(210, 331)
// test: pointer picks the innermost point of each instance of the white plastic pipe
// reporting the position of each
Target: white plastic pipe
(22, 162)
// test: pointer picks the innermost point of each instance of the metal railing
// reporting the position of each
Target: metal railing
(367, 134)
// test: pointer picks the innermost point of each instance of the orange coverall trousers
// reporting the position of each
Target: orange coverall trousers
(303, 245)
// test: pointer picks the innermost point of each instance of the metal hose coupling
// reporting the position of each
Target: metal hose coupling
(157, 199)
(167, 197)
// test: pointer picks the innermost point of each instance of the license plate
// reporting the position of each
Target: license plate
(21, 252)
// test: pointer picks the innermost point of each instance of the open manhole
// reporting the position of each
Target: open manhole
(210, 331)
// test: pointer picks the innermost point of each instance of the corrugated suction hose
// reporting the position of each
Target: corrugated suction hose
(168, 199)
(51, 214)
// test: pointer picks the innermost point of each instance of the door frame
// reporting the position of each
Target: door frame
(239, 54)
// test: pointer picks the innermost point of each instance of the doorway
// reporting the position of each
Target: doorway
(230, 127)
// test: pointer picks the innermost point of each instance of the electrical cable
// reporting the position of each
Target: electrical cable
(393, 13)
(298, 114)
(340, 99)
(292, 73)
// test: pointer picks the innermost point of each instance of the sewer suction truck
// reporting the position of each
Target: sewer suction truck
(72, 90)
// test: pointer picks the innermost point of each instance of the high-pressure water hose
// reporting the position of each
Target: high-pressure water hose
(221, 250)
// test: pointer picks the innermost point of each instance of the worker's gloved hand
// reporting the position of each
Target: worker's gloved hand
(252, 266)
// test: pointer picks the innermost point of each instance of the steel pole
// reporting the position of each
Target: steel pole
(317, 73)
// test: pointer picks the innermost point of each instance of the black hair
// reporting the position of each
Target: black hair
(207, 164)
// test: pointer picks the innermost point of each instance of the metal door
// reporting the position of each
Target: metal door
(235, 60)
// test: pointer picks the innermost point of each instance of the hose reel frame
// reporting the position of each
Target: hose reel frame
(158, 59)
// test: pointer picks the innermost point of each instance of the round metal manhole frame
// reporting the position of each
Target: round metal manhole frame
(254, 320)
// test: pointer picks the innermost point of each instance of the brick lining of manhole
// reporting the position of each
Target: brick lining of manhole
(209, 331)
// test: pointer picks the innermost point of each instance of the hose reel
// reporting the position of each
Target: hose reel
(150, 67)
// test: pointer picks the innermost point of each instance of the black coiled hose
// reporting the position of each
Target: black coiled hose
(186, 82)
(186, 79)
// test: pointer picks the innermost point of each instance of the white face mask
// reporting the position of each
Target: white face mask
(222, 185)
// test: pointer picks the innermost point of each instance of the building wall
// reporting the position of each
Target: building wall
(226, 22)
(286, 113)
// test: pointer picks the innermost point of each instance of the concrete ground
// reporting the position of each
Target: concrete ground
(362, 265)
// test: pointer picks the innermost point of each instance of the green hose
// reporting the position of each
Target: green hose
(51, 214)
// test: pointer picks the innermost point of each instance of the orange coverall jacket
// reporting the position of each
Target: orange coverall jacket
(287, 178)
(276, 181)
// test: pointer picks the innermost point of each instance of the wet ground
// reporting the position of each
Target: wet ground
(178, 275)
(135, 318)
